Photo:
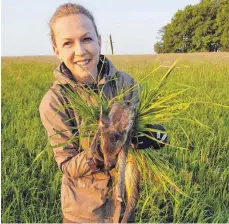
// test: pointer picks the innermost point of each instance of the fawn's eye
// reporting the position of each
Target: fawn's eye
(114, 137)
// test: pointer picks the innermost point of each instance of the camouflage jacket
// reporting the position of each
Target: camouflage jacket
(83, 195)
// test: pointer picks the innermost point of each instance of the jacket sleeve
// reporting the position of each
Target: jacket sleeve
(57, 122)
(128, 85)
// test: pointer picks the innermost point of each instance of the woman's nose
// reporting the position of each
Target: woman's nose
(79, 49)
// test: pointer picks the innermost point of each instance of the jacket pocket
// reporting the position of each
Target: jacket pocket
(85, 197)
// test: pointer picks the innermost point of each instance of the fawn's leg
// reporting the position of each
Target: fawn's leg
(120, 187)
(132, 178)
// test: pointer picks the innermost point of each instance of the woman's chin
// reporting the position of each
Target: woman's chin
(85, 78)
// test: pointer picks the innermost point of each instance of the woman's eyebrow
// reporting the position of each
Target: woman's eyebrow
(85, 34)
(69, 38)
(66, 38)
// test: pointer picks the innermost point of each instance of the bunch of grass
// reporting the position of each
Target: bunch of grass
(154, 108)
(156, 105)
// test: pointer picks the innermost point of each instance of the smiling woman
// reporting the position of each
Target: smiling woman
(76, 42)
(78, 48)
(87, 194)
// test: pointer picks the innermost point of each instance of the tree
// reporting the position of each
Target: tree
(201, 27)
(222, 24)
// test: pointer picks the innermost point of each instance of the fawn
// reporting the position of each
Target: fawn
(115, 135)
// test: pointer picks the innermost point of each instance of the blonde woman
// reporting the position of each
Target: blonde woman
(86, 194)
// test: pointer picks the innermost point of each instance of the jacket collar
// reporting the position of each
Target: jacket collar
(105, 68)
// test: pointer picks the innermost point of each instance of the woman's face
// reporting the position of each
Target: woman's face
(78, 46)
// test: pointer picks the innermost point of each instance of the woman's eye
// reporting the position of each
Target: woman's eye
(68, 43)
(87, 39)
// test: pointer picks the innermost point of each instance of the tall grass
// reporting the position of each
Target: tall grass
(30, 177)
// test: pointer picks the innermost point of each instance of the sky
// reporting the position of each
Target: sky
(133, 24)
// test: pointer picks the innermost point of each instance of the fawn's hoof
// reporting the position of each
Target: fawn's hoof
(119, 198)
(119, 194)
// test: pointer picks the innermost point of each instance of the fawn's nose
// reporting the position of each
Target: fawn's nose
(109, 166)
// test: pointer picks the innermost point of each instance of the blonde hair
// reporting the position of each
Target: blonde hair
(66, 10)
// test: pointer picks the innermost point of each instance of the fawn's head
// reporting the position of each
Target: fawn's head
(114, 131)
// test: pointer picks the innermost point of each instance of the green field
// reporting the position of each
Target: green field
(30, 177)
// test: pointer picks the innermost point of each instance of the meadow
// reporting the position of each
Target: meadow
(29, 174)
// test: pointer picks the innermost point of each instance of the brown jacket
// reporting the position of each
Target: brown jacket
(85, 197)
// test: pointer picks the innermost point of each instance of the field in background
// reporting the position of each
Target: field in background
(31, 184)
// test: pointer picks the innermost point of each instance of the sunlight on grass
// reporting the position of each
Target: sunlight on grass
(178, 185)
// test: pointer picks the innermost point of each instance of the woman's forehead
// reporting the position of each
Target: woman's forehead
(76, 25)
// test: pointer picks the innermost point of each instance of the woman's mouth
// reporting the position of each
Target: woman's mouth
(83, 63)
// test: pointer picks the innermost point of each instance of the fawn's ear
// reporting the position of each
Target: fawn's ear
(103, 120)
(127, 120)
(126, 126)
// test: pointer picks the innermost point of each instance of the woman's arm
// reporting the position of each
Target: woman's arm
(58, 124)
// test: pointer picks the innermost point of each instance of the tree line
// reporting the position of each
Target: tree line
(197, 28)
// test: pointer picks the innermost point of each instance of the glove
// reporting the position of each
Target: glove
(144, 142)
(92, 165)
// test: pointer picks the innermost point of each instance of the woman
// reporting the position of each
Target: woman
(85, 189)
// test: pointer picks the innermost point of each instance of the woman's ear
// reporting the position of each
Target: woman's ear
(56, 51)
(100, 42)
